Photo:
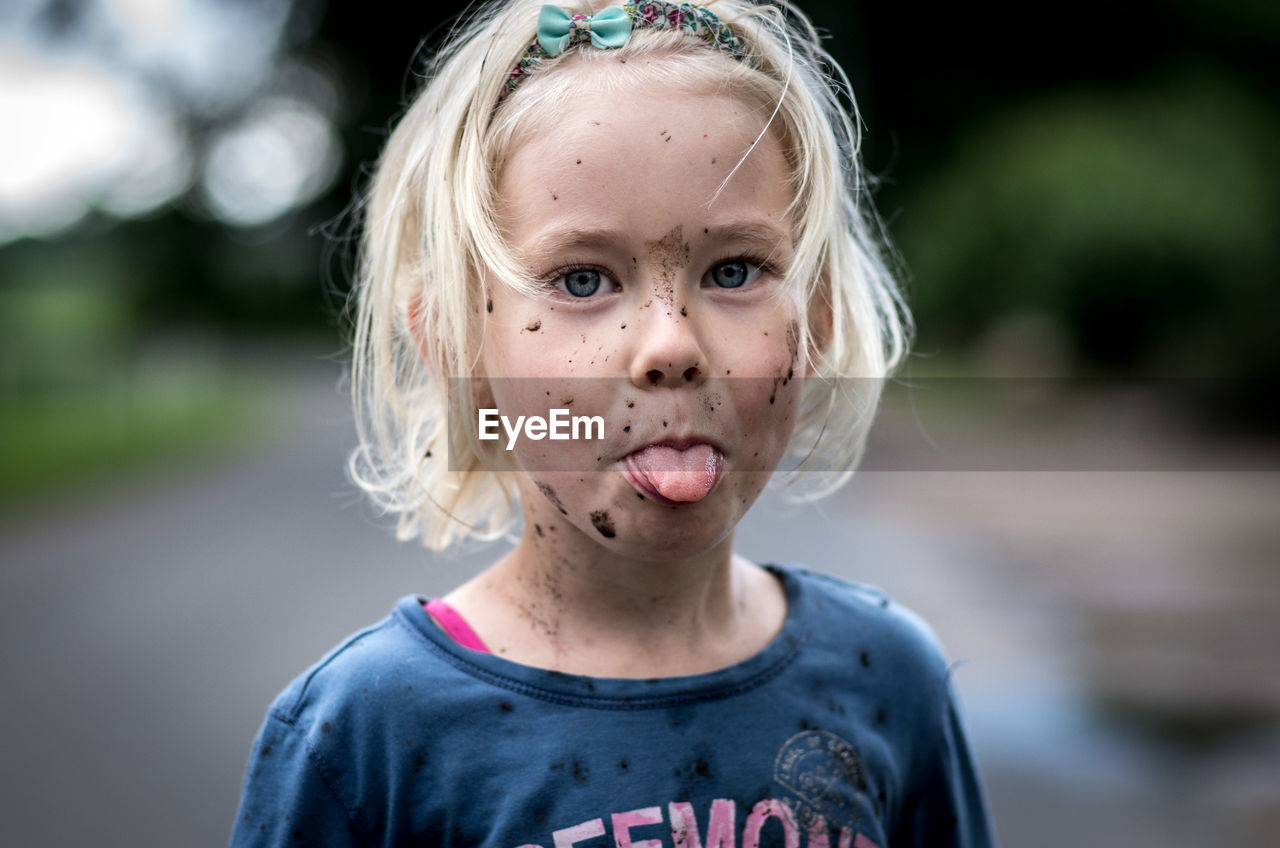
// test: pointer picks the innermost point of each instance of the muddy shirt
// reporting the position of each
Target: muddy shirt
(841, 733)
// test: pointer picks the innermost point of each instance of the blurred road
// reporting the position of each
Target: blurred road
(147, 624)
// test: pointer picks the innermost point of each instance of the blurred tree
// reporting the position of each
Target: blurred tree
(1142, 217)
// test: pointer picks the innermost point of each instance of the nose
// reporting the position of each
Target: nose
(669, 352)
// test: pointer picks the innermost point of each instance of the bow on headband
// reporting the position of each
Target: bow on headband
(557, 29)
(611, 28)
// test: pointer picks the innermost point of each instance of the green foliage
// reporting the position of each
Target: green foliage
(1143, 219)
(54, 442)
(66, 318)
(86, 392)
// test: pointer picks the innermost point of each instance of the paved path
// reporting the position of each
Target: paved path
(147, 624)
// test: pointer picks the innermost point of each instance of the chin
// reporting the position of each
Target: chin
(664, 533)
(667, 550)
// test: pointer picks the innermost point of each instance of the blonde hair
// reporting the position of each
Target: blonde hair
(430, 240)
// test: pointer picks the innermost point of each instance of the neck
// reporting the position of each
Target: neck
(589, 585)
(559, 600)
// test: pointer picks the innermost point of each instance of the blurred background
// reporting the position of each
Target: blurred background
(1086, 199)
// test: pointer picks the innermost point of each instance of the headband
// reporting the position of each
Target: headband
(611, 27)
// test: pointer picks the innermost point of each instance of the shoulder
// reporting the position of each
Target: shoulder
(360, 677)
(862, 625)
(886, 657)
(349, 723)
(334, 736)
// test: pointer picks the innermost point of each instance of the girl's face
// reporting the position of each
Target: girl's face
(660, 314)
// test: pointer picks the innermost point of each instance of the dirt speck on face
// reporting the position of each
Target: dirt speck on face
(670, 253)
(550, 494)
(603, 523)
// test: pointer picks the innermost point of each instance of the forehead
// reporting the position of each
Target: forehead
(642, 159)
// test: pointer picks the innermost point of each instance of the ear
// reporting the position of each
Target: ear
(415, 318)
(821, 324)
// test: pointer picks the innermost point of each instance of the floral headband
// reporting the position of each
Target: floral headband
(611, 27)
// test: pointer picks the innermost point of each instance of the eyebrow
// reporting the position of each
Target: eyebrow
(761, 234)
(553, 245)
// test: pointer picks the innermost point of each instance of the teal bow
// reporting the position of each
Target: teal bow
(608, 28)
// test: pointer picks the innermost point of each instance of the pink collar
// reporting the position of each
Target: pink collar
(455, 625)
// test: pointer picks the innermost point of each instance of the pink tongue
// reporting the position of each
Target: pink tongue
(680, 475)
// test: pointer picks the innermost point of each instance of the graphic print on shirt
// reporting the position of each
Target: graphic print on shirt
(824, 774)
(772, 821)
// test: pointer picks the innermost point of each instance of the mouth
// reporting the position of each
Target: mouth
(675, 471)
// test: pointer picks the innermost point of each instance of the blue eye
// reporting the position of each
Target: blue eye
(584, 282)
(734, 274)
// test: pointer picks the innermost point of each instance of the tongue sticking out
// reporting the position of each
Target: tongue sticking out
(685, 476)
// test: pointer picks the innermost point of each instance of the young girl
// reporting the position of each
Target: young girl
(648, 218)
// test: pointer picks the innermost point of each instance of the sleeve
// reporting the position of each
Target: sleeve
(949, 808)
(285, 799)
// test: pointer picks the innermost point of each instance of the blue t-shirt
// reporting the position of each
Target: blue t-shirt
(841, 733)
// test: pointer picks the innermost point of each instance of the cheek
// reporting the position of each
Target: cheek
(524, 338)
(765, 410)
(764, 401)
(516, 339)
(759, 342)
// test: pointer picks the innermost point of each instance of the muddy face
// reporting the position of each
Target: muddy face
(662, 312)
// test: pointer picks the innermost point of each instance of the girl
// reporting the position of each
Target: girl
(642, 217)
